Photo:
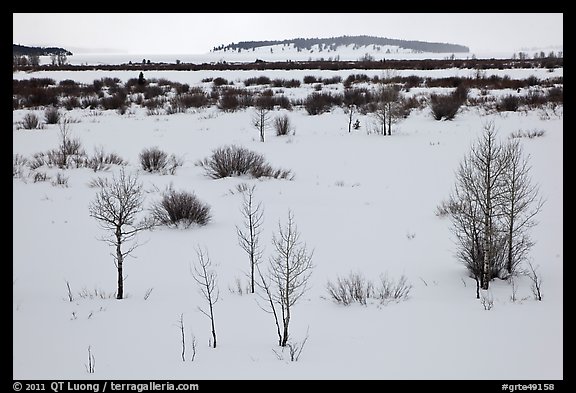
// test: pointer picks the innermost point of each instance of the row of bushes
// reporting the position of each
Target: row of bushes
(227, 161)
(230, 98)
(175, 208)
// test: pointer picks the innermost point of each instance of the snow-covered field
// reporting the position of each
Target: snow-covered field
(365, 203)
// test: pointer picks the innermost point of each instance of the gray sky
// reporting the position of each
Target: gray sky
(197, 33)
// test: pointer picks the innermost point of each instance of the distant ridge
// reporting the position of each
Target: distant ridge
(333, 43)
(22, 50)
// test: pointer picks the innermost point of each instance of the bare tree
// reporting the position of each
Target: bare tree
(249, 236)
(91, 361)
(261, 117)
(492, 208)
(62, 59)
(466, 219)
(387, 108)
(69, 147)
(206, 278)
(287, 277)
(522, 205)
(116, 208)
(182, 337)
(536, 282)
(34, 60)
(351, 110)
(482, 172)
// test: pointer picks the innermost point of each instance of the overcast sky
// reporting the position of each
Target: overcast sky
(198, 33)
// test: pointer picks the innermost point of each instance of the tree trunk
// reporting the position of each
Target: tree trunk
(510, 253)
(486, 259)
(212, 322)
(252, 274)
(285, 336)
(390, 119)
(120, 292)
(350, 121)
(262, 125)
(477, 287)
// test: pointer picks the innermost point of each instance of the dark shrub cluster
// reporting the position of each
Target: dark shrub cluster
(356, 78)
(31, 122)
(282, 125)
(232, 160)
(309, 79)
(357, 96)
(412, 81)
(556, 94)
(445, 106)
(257, 80)
(287, 83)
(153, 159)
(180, 208)
(508, 103)
(192, 100)
(318, 103)
(51, 115)
(219, 81)
(332, 80)
(231, 98)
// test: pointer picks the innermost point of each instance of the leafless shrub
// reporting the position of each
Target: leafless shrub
(282, 125)
(60, 180)
(95, 294)
(19, 162)
(51, 115)
(219, 81)
(147, 293)
(31, 122)
(71, 102)
(318, 103)
(508, 103)
(527, 134)
(536, 285)
(388, 289)
(153, 159)
(232, 160)
(556, 94)
(294, 349)
(102, 161)
(180, 208)
(444, 106)
(38, 160)
(173, 163)
(99, 182)
(487, 301)
(239, 287)
(193, 100)
(39, 176)
(351, 289)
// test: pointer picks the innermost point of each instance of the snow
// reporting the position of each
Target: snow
(290, 53)
(364, 202)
